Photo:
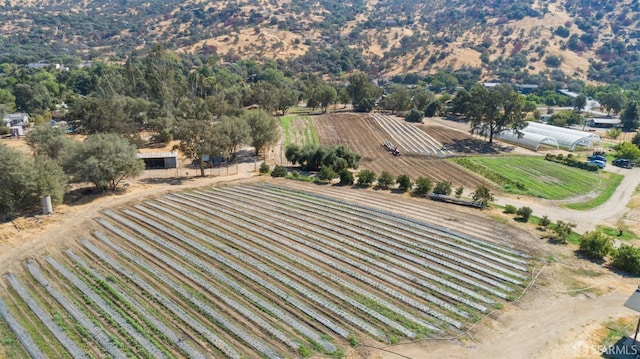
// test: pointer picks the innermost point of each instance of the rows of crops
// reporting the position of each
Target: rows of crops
(410, 138)
(540, 178)
(254, 271)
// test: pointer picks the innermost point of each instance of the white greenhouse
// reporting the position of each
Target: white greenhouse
(536, 134)
(527, 140)
(566, 137)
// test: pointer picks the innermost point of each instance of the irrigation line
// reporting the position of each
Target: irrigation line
(21, 333)
(166, 302)
(251, 262)
(276, 311)
(247, 313)
(61, 336)
(299, 240)
(460, 334)
(159, 325)
(102, 304)
(96, 332)
(329, 289)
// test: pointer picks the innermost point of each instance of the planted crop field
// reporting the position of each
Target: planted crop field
(255, 271)
(365, 135)
(534, 176)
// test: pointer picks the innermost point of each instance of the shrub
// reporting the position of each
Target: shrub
(404, 183)
(346, 177)
(443, 188)
(423, 186)
(524, 213)
(366, 178)
(545, 221)
(279, 171)
(482, 195)
(627, 258)
(563, 230)
(414, 115)
(595, 244)
(327, 173)
(459, 191)
(510, 209)
(4, 130)
(385, 180)
(264, 168)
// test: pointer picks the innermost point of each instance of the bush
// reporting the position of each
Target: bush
(510, 209)
(4, 130)
(595, 244)
(279, 171)
(482, 195)
(443, 188)
(563, 230)
(545, 221)
(346, 177)
(385, 180)
(414, 115)
(264, 168)
(327, 173)
(524, 213)
(459, 191)
(366, 178)
(404, 183)
(423, 186)
(627, 258)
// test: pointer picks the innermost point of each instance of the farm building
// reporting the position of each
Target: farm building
(536, 134)
(159, 160)
(605, 122)
(15, 119)
(531, 141)
(566, 137)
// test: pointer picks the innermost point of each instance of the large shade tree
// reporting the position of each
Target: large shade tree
(104, 160)
(491, 111)
(263, 129)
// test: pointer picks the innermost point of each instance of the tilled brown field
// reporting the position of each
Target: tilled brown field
(261, 270)
(365, 136)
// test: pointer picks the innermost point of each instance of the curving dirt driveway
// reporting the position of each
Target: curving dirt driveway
(607, 213)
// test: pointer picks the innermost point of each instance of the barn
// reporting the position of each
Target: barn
(605, 122)
(159, 160)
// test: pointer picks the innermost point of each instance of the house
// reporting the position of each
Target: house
(16, 119)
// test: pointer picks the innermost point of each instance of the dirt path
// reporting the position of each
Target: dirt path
(607, 213)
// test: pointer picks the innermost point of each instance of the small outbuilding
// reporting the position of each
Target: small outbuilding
(159, 160)
(605, 122)
(16, 119)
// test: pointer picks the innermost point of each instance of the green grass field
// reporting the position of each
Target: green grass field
(299, 129)
(537, 177)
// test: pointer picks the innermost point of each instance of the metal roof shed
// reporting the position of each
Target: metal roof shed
(159, 160)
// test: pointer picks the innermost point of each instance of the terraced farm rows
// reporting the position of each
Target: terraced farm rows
(254, 271)
(410, 138)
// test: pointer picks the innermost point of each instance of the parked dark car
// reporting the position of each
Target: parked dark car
(624, 163)
(597, 158)
(600, 164)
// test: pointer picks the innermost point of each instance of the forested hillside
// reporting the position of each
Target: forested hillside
(512, 40)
